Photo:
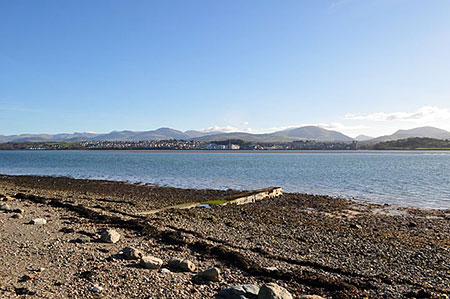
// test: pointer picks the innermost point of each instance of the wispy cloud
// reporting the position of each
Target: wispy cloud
(423, 114)
(339, 127)
(227, 129)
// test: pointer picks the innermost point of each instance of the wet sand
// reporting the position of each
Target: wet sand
(308, 244)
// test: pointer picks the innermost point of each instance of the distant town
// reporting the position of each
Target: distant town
(231, 145)
(302, 138)
(179, 145)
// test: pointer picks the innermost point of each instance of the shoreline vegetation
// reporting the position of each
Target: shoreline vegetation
(305, 244)
(418, 143)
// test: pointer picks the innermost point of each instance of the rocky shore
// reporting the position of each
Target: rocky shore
(67, 238)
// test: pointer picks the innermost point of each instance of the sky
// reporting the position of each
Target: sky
(357, 66)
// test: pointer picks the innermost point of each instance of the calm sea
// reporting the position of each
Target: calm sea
(404, 178)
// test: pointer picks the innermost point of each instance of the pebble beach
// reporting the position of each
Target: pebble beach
(72, 238)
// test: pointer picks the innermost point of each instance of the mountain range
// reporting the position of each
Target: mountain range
(288, 135)
(429, 132)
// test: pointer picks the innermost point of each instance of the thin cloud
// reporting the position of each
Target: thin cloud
(423, 114)
(339, 127)
(227, 129)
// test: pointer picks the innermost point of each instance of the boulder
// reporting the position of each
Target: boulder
(20, 211)
(212, 274)
(5, 207)
(131, 253)
(182, 265)
(110, 236)
(246, 291)
(151, 262)
(17, 216)
(311, 297)
(273, 291)
(38, 221)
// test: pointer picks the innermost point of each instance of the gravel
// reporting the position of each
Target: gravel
(308, 245)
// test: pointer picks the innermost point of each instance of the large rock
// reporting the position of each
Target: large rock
(212, 274)
(246, 291)
(311, 297)
(131, 253)
(110, 236)
(273, 291)
(38, 221)
(5, 207)
(182, 265)
(151, 262)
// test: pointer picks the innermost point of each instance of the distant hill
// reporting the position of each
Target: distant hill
(47, 137)
(302, 133)
(314, 133)
(423, 132)
(159, 134)
(295, 134)
(413, 143)
(195, 134)
(243, 136)
(363, 138)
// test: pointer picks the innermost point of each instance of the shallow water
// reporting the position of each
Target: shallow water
(405, 178)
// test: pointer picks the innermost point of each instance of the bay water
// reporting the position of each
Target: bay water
(405, 178)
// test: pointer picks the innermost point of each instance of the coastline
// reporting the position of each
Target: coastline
(309, 244)
(281, 151)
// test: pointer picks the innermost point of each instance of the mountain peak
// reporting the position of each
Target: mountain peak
(315, 133)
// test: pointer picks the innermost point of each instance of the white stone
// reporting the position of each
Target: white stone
(151, 262)
(110, 236)
(273, 291)
(165, 271)
(38, 221)
(5, 207)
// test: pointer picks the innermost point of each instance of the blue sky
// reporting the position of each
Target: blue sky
(357, 66)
